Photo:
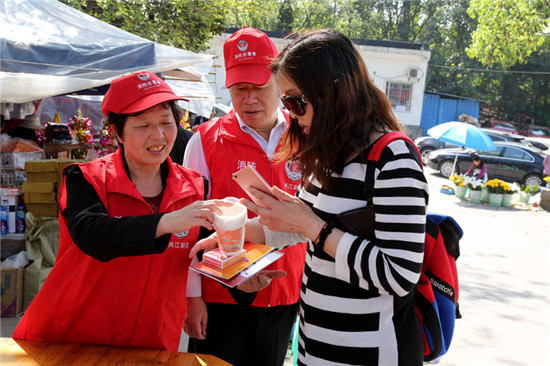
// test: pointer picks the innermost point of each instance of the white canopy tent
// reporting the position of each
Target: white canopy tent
(48, 49)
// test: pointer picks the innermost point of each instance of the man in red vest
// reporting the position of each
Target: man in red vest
(240, 327)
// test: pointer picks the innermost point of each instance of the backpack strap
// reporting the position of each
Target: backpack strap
(382, 142)
(373, 155)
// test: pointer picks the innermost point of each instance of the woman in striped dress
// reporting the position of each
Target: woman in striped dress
(357, 296)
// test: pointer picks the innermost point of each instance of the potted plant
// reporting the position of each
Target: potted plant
(508, 193)
(526, 192)
(496, 189)
(475, 186)
(460, 188)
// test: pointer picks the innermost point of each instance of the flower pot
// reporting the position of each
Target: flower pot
(495, 199)
(524, 197)
(484, 195)
(507, 200)
(460, 192)
(475, 196)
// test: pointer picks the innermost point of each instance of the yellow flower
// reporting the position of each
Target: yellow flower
(497, 186)
(458, 180)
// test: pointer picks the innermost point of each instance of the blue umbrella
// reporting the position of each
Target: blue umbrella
(464, 135)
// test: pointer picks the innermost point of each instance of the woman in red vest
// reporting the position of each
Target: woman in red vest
(126, 222)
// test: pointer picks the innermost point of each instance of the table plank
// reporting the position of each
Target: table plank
(25, 352)
(12, 354)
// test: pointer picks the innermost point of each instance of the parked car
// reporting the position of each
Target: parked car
(427, 144)
(499, 126)
(537, 131)
(540, 142)
(511, 162)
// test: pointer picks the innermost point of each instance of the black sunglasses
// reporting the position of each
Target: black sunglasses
(296, 105)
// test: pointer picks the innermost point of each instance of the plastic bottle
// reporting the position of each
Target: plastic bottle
(20, 220)
(4, 220)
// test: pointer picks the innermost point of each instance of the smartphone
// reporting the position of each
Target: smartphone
(249, 177)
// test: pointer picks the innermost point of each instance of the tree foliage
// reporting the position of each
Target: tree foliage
(481, 49)
(508, 31)
(187, 24)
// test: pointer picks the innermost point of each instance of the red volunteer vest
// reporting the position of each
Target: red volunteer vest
(128, 301)
(228, 149)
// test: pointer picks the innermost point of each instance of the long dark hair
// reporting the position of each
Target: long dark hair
(347, 105)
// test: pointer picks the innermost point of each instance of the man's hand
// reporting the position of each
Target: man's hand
(196, 318)
(261, 280)
(207, 244)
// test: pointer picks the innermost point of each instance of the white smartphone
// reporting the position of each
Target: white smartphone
(249, 177)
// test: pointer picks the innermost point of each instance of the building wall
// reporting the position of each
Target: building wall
(385, 64)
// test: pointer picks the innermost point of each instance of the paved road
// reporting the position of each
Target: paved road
(504, 273)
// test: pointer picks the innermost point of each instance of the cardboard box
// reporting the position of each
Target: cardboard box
(39, 187)
(12, 244)
(42, 177)
(216, 258)
(43, 209)
(48, 170)
(12, 292)
(41, 166)
(37, 197)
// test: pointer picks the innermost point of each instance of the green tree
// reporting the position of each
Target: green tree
(470, 40)
(286, 17)
(187, 24)
(508, 31)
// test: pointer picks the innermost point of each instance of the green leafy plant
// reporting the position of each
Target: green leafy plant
(531, 189)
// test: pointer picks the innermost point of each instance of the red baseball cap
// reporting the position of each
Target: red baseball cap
(247, 54)
(136, 92)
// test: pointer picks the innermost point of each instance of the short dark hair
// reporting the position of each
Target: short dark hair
(117, 121)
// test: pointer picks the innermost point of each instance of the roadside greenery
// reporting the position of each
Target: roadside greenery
(492, 50)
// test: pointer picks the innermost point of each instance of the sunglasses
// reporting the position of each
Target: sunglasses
(296, 105)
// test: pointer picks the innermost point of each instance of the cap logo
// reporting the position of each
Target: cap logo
(143, 76)
(242, 45)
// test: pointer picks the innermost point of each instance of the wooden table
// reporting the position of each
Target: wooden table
(24, 352)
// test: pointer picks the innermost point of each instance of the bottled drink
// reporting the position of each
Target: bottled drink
(20, 220)
(4, 220)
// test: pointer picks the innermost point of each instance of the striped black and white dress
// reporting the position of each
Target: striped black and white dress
(358, 308)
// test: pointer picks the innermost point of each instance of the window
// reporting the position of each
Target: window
(496, 138)
(400, 96)
(515, 153)
(496, 152)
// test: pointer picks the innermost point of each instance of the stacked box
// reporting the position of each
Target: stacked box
(43, 182)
